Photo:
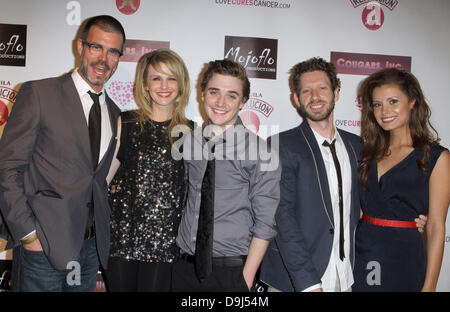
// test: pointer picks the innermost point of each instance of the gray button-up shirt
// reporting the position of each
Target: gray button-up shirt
(247, 190)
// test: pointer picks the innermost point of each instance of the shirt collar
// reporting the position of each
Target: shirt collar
(238, 126)
(320, 138)
(83, 87)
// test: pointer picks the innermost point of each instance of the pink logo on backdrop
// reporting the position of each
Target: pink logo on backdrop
(3, 113)
(250, 120)
(7, 96)
(259, 105)
(367, 64)
(373, 16)
(121, 92)
(251, 110)
(128, 6)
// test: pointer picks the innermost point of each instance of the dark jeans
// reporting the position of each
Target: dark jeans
(222, 278)
(35, 273)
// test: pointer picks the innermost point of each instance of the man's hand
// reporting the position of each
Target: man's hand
(31, 242)
(249, 279)
(33, 246)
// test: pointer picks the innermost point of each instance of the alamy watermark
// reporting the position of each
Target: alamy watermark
(374, 276)
(236, 143)
(73, 278)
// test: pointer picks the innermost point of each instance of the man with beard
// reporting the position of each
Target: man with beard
(55, 153)
(319, 206)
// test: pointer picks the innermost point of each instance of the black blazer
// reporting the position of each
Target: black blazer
(297, 258)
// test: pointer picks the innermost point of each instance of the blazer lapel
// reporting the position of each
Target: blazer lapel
(74, 109)
(321, 172)
(351, 154)
(354, 167)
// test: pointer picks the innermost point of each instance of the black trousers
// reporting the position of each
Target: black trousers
(138, 276)
(222, 278)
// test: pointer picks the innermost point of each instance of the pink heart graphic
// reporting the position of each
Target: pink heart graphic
(121, 92)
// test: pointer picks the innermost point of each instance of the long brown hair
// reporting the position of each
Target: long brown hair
(376, 140)
(141, 96)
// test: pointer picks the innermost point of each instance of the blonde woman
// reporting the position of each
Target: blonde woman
(148, 189)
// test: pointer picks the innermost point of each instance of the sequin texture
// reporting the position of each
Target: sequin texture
(147, 205)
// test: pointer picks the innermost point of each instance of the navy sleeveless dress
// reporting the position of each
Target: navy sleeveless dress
(388, 258)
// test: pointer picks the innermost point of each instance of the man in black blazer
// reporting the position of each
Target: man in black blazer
(55, 153)
(309, 253)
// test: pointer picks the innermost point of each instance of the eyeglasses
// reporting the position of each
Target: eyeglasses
(97, 49)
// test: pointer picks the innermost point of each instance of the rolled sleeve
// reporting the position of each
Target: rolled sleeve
(265, 197)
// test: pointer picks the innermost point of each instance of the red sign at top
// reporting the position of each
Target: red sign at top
(128, 6)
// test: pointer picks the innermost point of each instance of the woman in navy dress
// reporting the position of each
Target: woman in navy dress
(404, 172)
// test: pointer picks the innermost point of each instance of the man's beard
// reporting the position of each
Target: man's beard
(84, 73)
(314, 117)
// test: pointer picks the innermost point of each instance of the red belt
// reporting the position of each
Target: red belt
(391, 223)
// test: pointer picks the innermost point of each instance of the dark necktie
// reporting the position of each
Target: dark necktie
(341, 203)
(205, 231)
(95, 126)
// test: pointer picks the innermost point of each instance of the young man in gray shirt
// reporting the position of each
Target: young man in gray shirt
(243, 190)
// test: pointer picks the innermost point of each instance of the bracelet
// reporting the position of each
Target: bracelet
(30, 239)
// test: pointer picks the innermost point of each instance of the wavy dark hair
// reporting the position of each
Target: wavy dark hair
(228, 68)
(376, 140)
(310, 65)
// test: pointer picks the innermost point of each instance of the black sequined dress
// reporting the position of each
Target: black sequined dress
(147, 204)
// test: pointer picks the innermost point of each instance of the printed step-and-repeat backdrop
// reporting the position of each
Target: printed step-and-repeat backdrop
(37, 40)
